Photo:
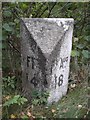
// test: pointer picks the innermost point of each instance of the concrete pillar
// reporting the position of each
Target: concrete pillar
(46, 47)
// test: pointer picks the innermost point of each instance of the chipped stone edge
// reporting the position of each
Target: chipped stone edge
(64, 22)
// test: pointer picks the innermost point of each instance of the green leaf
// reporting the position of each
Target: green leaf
(24, 117)
(0, 46)
(4, 45)
(7, 13)
(7, 27)
(4, 79)
(0, 37)
(24, 6)
(11, 23)
(35, 102)
(16, 97)
(9, 78)
(80, 46)
(75, 53)
(87, 38)
(23, 99)
(16, 21)
(13, 77)
(4, 37)
(4, 34)
(9, 102)
(12, 85)
(86, 53)
(6, 104)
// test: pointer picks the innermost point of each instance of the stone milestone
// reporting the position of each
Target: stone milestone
(45, 52)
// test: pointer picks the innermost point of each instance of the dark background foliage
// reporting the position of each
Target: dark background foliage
(11, 61)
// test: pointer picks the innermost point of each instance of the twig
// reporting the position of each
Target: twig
(43, 11)
(29, 9)
(38, 10)
(12, 46)
(61, 8)
(51, 9)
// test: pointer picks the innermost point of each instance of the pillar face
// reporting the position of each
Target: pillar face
(46, 46)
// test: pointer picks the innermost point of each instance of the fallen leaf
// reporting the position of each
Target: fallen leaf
(22, 113)
(46, 107)
(79, 106)
(65, 110)
(8, 97)
(32, 106)
(84, 116)
(75, 39)
(13, 116)
(53, 110)
(73, 85)
(33, 116)
(29, 114)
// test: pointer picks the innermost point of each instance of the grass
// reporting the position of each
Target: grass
(73, 105)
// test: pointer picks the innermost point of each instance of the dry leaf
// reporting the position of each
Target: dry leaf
(22, 113)
(13, 116)
(8, 97)
(33, 116)
(65, 110)
(79, 106)
(29, 114)
(75, 39)
(73, 85)
(84, 116)
(53, 110)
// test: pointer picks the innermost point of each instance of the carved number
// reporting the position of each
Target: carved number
(55, 80)
(32, 60)
(60, 80)
(28, 60)
(26, 76)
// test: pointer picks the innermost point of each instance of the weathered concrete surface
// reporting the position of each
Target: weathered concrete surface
(46, 46)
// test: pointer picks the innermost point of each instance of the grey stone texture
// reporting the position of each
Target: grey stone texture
(46, 46)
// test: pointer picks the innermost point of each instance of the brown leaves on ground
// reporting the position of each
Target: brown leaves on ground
(28, 114)
(65, 110)
(13, 116)
(53, 110)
